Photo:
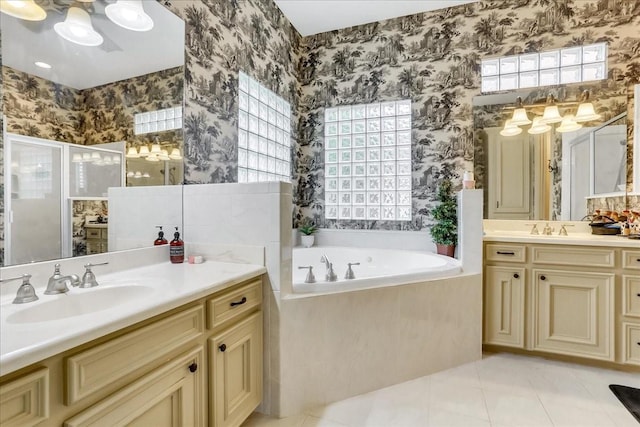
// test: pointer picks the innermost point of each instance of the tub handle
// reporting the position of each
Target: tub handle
(349, 274)
(310, 277)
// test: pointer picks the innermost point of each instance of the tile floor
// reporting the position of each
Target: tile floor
(501, 390)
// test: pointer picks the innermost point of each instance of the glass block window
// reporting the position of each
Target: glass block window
(561, 66)
(368, 161)
(264, 133)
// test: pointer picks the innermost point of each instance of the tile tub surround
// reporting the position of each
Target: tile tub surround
(578, 234)
(501, 390)
(335, 346)
(174, 285)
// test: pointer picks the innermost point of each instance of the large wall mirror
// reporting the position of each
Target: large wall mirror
(93, 99)
(550, 172)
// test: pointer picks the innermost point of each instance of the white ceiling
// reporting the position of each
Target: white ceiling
(123, 54)
(318, 16)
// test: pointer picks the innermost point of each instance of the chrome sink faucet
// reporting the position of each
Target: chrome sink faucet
(58, 283)
(89, 279)
(26, 292)
(331, 275)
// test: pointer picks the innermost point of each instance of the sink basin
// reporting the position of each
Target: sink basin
(80, 302)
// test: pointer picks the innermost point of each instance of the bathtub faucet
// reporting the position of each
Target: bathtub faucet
(331, 275)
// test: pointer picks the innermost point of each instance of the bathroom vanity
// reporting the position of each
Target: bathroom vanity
(576, 295)
(190, 353)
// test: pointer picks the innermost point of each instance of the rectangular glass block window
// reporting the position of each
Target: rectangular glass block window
(264, 132)
(367, 152)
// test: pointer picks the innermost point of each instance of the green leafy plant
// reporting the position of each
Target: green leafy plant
(445, 230)
(307, 229)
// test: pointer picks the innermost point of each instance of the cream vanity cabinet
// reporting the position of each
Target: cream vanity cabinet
(197, 365)
(570, 300)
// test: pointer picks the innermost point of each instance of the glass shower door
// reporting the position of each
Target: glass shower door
(35, 206)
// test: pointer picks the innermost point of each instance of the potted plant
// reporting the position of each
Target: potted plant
(445, 231)
(307, 231)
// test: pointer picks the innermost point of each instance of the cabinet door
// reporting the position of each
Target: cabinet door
(574, 313)
(235, 375)
(504, 306)
(169, 396)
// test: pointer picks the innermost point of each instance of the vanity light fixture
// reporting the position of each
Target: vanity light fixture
(551, 113)
(77, 28)
(23, 9)
(586, 112)
(175, 154)
(510, 129)
(155, 149)
(152, 158)
(129, 14)
(77, 158)
(107, 161)
(520, 114)
(130, 174)
(143, 151)
(164, 156)
(538, 127)
(568, 124)
(132, 153)
(146, 175)
(137, 175)
(86, 157)
(95, 156)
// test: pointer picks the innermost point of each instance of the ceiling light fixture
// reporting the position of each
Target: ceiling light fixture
(129, 14)
(77, 28)
(23, 9)
(42, 65)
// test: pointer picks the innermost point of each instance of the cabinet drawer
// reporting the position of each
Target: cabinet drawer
(25, 401)
(631, 296)
(94, 233)
(631, 259)
(104, 364)
(231, 304)
(503, 252)
(561, 255)
(631, 344)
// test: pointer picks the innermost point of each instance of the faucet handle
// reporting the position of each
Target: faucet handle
(26, 292)
(89, 265)
(563, 230)
(534, 229)
(350, 274)
(310, 277)
(88, 278)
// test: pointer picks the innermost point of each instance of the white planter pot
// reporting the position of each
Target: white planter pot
(307, 241)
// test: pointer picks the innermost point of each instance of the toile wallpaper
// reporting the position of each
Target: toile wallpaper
(434, 58)
(80, 210)
(223, 37)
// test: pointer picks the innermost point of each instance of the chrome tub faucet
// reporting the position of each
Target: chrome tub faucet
(331, 275)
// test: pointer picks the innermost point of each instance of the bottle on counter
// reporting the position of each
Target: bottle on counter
(176, 249)
(160, 240)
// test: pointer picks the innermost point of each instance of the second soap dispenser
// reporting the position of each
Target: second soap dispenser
(176, 249)
(160, 240)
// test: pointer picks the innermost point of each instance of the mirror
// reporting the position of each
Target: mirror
(549, 175)
(75, 121)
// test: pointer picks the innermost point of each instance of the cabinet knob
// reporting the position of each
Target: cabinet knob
(193, 367)
(638, 295)
(242, 301)
(543, 277)
(516, 276)
(222, 347)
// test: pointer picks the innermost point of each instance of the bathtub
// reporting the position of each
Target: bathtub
(378, 268)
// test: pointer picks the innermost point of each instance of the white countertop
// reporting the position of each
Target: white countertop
(22, 344)
(580, 239)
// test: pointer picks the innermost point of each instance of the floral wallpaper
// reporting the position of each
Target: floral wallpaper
(434, 58)
(223, 37)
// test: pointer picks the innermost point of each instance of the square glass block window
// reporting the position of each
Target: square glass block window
(595, 71)
(262, 156)
(508, 82)
(331, 129)
(358, 112)
(344, 113)
(490, 67)
(331, 212)
(570, 56)
(403, 108)
(570, 74)
(388, 108)
(529, 79)
(594, 53)
(331, 143)
(549, 77)
(549, 59)
(509, 65)
(359, 141)
(490, 84)
(529, 62)
(373, 110)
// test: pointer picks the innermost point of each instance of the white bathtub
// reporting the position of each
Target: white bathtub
(378, 268)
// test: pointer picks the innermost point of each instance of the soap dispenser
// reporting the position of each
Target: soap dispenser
(176, 249)
(160, 240)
